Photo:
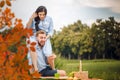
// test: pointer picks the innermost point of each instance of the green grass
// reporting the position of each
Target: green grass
(104, 69)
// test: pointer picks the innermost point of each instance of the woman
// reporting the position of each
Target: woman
(40, 21)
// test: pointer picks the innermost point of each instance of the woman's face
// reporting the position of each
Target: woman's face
(41, 15)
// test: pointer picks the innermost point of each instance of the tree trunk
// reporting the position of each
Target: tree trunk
(88, 56)
(95, 56)
(103, 56)
(69, 56)
(79, 57)
(111, 55)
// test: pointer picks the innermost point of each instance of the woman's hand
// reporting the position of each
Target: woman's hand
(30, 20)
(34, 15)
(48, 36)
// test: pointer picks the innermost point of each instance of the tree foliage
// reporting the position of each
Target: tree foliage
(73, 40)
(101, 40)
(107, 38)
(13, 50)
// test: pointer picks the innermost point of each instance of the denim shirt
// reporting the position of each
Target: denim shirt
(46, 25)
(41, 58)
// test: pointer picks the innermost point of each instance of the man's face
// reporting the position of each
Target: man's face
(41, 15)
(41, 39)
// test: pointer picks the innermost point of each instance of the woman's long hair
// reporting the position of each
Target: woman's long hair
(37, 19)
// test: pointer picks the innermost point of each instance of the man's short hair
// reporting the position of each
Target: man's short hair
(40, 32)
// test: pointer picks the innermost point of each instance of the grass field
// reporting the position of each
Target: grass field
(103, 69)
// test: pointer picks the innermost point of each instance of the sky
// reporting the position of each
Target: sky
(65, 12)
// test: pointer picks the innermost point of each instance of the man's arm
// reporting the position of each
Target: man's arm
(50, 60)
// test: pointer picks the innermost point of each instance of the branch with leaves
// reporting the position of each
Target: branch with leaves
(13, 50)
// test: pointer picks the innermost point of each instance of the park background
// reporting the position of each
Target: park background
(83, 30)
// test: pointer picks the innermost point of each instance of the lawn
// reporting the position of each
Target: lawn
(104, 69)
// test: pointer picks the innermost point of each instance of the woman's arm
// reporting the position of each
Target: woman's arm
(48, 36)
(50, 30)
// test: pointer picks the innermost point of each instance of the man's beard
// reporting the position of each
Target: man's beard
(40, 45)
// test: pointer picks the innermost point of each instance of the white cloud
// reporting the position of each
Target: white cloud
(93, 3)
(114, 5)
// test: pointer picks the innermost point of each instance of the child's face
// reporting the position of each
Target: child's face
(41, 15)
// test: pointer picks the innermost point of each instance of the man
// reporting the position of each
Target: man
(44, 59)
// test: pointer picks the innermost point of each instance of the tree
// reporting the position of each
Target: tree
(106, 37)
(73, 41)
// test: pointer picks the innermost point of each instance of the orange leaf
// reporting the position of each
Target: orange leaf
(7, 19)
(12, 15)
(33, 43)
(0, 9)
(26, 50)
(28, 42)
(29, 32)
(24, 71)
(9, 23)
(3, 47)
(19, 20)
(18, 26)
(30, 67)
(16, 19)
(1, 39)
(36, 74)
(7, 37)
(32, 49)
(7, 10)
(11, 57)
(8, 2)
(1, 25)
(2, 3)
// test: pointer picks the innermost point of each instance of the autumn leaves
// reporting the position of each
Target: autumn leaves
(13, 63)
